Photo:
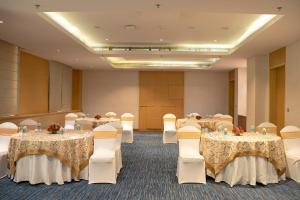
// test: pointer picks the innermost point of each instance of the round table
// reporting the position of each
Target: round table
(72, 148)
(220, 150)
(209, 123)
(101, 121)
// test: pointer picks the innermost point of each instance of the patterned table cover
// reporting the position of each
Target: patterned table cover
(98, 122)
(72, 148)
(219, 150)
(204, 122)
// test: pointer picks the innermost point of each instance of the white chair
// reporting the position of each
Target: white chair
(70, 119)
(80, 115)
(6, 130)
(117, 125)
(29, 123)
(85, 125)
(224, 124)
(111, 115)
(169, 134)
(291, 140)
(270, 128)
(191, 165)
(127, 124)
(102, 164)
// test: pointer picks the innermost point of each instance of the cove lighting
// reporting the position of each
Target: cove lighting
(221, 49)
(119, 62)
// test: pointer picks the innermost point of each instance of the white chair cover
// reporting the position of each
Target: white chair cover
(291, 140)
(102, 165)
(127, 124)
(192, 123)
(70, 119)
(169, 134)
(6, 130)
(225, 118)
(270, 127)
(190, 165)
(118, 125)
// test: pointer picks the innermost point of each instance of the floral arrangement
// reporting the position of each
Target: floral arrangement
(238, 130)
(53, 128)
(97, 116)
(198, 117)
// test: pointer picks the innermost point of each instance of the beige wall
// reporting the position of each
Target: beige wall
(292, 84)
(257, 90)
(9, 67)
(206, 92)
(116, 91)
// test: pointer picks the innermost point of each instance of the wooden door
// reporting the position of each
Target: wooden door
(277, 96)
(160, 93)
(231, 98)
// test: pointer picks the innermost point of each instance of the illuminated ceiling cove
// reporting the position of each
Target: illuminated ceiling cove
(115, 40)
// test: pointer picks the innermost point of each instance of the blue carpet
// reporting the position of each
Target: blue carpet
(148, 173)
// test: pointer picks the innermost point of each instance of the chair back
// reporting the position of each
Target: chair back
(8, 128)
(70, 119)
(188, 138)
(225, 124)
(270, 128)
(111, 115)
(105, 137)
(29, 123)
(117, 125)
(85, 125)
(127, 121)
(192, 122)
(169, 122)
(291, 138)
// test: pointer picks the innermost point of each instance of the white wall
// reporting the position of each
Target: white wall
(292, 84)
(257, 90)
(116, 91)
(206, 92)
(9, 67)
(242, 92)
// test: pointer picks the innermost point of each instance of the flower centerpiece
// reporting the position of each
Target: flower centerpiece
(97, 116)
(198, 117)
(237, 130)
(53, 128)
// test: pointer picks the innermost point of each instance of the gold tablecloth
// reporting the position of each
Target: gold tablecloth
(204, 123)
(73, 149)
(101, 121)
(219, 150)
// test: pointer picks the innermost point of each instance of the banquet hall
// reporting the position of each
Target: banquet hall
(150, 99)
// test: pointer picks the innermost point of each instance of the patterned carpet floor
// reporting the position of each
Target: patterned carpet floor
(149, 172)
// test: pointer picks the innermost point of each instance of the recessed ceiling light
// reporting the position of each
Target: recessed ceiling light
(215, 40)
(58, 50)
(96, 27)
(130, 26)
(225, 28)
(161, 39)
(279, 8)
(106, 39)
(1, 22)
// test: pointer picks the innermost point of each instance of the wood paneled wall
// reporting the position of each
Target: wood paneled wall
(34, 79)
(76, 89)
(9, 67)
(277, 87)
(160, 93)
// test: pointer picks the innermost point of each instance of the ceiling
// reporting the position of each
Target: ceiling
(174, 23)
